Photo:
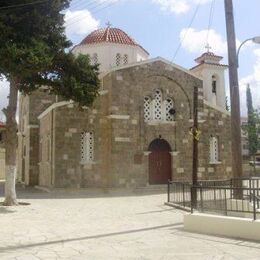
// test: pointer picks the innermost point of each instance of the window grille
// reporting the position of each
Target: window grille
(95, 59)
(168, 107)
(87, 147)
(147, 109)
(125, 60)
(214, 84)
(157, 105)
(118, 59)
(214, 149)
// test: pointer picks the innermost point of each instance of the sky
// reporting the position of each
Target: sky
(177, 30)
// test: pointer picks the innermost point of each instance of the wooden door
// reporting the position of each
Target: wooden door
(159, 162)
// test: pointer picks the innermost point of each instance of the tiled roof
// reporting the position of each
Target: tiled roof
(214, 64)
(113, 35)
(208, 56)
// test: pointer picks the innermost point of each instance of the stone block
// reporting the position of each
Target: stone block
(67, 134)
(73, 130)
(119, 77)
(180, 170)
(210, 169)
(229, 169)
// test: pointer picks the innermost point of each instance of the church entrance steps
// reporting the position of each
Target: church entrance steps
(158, 188)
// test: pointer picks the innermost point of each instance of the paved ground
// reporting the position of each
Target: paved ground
(83, 225)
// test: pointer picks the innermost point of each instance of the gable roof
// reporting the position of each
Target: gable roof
(148, 61)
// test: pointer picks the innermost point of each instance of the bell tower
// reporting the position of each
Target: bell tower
(212, 71)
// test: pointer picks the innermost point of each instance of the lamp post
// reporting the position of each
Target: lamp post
(254, 40)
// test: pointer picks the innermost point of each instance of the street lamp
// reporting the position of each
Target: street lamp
(254, 40)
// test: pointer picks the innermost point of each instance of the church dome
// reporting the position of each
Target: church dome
(111, 35)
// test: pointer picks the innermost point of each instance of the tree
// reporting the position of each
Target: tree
(34, 53)
(227, 104)
(252, 128)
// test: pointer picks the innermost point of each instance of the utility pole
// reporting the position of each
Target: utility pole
(195, 149)
(234, 91)
(195, 138)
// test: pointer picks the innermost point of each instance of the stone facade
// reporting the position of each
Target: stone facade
(28, 135)
(122, 136)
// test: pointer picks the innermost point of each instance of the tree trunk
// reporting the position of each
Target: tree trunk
(11, 145)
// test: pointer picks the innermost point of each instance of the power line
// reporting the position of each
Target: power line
(89, 9)
(95, 11)
(80, 4)
(189, 26)
(211, 14)
(23, 5)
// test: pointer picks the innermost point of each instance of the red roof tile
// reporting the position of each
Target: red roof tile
(113, 35)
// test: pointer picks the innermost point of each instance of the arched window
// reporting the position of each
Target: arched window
(125, 59)
(95, 59)
(214, 149)
(118, 59)
(157, 105)
(214, 84)
(169, 115)
(147, 109)
(87, 147)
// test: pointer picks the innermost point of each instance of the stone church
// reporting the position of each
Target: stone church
(137, 133)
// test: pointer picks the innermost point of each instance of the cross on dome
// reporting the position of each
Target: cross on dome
(108, 24)
(207, 47)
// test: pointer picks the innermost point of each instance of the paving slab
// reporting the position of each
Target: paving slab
(117, 225)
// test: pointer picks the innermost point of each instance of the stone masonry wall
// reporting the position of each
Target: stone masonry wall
(69, 170)
(131, 136)
(122, 138)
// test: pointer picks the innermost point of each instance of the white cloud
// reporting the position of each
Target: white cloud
(194, 41)
(4, 91)
(178, 6)
(174, 6)
(254, 81)
(80, 23)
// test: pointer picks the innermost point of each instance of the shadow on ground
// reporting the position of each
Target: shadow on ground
(10, 248)
(25, 192)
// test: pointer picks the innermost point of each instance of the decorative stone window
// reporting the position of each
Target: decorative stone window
(95, 59)
(87, 147)
(118, 59)
(147, 109)
(157, 105)
(158, 110)
(214, 155)
(125, 59)
(169, 115)
(214, 84)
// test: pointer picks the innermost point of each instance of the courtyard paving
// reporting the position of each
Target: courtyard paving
(95, 225)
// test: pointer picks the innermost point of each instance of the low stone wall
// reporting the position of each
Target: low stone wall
(222, 226)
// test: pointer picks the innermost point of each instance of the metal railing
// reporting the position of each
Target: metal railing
(234, 197)
(222, 201)
(179, 194)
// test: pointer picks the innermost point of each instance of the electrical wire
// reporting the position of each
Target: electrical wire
(23, 5)
(82, 5)
(86, 7)
(211, 14)
(93, 11)
(185, 35)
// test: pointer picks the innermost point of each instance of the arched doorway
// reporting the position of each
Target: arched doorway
(159, 162)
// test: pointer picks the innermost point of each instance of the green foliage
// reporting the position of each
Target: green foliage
(34, 50)
(227, 104)
(252, 128)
